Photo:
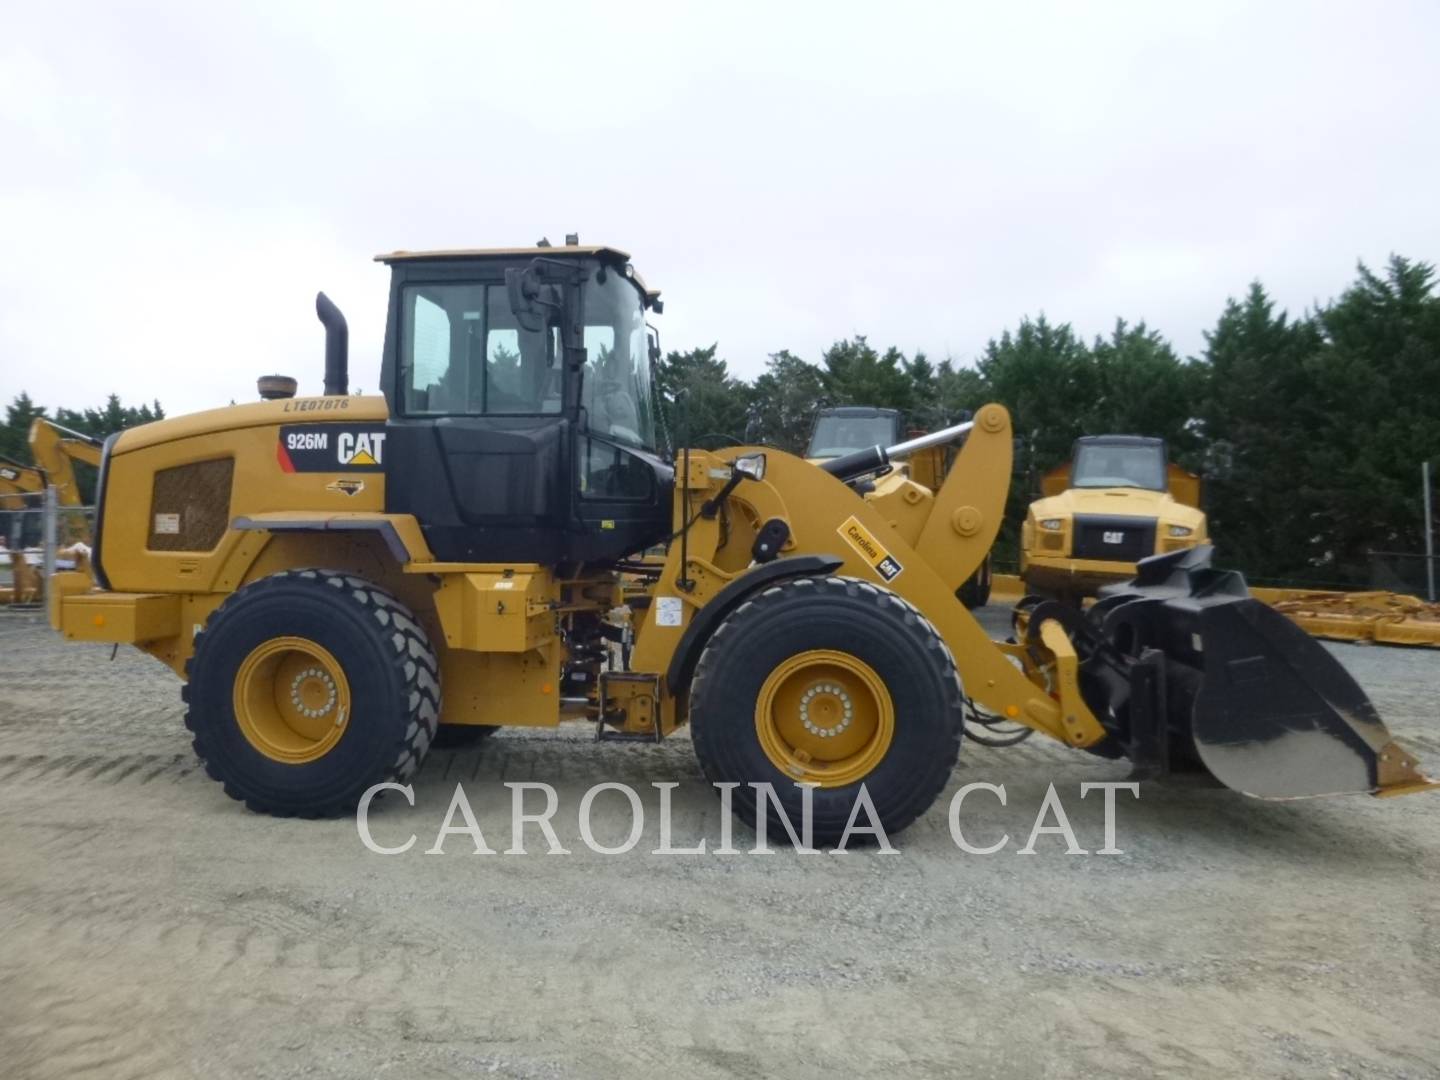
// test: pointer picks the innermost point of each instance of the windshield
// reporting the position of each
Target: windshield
(616, 392)
(836, 436)
(1102, 466)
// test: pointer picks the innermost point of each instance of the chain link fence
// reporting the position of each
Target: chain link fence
(38, 537)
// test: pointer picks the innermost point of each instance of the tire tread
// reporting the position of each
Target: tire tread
(420, 668)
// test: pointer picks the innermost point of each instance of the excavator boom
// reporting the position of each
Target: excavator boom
(19, 485)
(55, 450)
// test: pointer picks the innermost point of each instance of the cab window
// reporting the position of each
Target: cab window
(608, 471)
(462, 353)
(1102, 465)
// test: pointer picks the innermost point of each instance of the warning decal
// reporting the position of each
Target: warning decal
(669, 611)
(870, 549)
(331, 448)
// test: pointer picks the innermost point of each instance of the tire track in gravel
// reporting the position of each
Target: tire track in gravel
(153, 928)
(107, 770)
(550, 757)
(242, 948)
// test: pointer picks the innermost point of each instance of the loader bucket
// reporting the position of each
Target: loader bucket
(1223, 683)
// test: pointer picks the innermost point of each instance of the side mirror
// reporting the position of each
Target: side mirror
(531, 301)
(654, 336)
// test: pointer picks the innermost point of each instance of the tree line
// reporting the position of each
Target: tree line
(1308, 430)
(97, 423)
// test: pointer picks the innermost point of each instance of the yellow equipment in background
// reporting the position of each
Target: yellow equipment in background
(55, 449)
(20, 485)
(1117, 501)
(1378, 616)
(20, 489)
(338, 578)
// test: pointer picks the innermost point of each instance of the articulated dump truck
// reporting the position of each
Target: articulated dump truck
(343, 580)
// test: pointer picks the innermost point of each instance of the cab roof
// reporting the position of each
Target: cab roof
(610, 254)
(598, 251)
(857, 412)
(1119, 440)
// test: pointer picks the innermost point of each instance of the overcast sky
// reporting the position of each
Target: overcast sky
(178, 181)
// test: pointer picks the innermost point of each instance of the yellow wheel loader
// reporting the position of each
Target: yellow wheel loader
(1117, 501)
(337, 578)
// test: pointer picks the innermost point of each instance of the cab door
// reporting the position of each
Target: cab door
(478, 446)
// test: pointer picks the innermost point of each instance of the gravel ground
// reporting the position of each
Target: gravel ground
(150, 927)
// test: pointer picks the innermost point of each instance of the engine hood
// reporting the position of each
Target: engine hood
(253, 414)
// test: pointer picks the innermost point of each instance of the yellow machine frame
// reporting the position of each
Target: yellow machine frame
(500, 623)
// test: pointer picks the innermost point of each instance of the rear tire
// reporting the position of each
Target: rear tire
(307, 688)
(817, 635)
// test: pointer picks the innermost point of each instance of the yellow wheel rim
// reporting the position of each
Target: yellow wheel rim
(292, 700)
(825, 717)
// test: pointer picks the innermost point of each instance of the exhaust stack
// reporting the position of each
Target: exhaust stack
(337, 347)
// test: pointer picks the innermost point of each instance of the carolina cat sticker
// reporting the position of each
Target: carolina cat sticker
(331, 448)
(870, 549)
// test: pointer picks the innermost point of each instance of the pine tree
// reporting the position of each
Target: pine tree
(856, 374)
(15, 435)
(784, 402)
(1257, 422)
(1376, 386)
(1140, 387)
(716, 404)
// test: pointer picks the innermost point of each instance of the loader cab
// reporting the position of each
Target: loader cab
(522, 423)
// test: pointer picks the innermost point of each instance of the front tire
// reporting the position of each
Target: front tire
(834, 682)
(307, 688)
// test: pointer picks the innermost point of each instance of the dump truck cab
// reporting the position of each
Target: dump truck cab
(1117, 501)
(844, 429)
(522, 421)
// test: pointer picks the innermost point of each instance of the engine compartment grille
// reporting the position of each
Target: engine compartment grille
(190, 505)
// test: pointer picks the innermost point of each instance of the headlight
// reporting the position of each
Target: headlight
(1053, 524)
(1180, 530)
(752, 465)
